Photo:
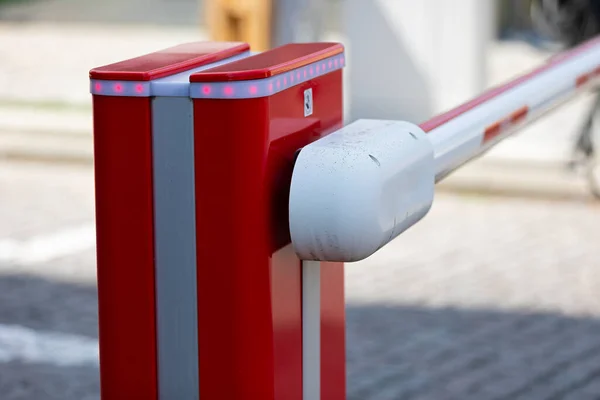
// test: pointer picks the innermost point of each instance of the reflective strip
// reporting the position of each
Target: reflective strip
(267, 86)
(504, 124)
(585, 78)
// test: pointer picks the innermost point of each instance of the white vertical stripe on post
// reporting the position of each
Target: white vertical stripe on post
(175, 233)
(175, 247)
(311, 330)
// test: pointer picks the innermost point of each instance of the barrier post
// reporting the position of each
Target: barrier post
(253, 292)
(146, 258)
(228, 197)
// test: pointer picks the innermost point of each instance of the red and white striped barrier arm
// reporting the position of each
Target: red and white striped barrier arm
(468, 130)
(375, 179)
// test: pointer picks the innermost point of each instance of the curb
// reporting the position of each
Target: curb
(524, 178)
(481, 177)
(31, 131)
(56, 148)
(45, 119)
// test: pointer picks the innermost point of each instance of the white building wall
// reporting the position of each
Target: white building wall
(410, 59)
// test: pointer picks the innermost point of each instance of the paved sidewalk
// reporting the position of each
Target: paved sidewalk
(487, 298)
(45, 105)
(159, 12)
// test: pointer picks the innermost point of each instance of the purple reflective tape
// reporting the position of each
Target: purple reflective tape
(120, 88)
(170, 86)
(267, 86)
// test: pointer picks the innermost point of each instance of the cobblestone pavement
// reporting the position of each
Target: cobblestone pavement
(487, 298)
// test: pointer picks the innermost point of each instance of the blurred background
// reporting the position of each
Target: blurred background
(495, 295)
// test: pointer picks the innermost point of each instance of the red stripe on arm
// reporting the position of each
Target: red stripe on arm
(582, 80)
(492, 131)
(519, 115)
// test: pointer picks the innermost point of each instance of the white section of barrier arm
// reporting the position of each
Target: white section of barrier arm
(355, 190)
(470, 129)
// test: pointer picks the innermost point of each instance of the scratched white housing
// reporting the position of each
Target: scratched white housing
(358, 188)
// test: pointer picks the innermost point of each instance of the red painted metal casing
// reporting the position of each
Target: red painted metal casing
(249, 278)
(124, 219)
(168, 61)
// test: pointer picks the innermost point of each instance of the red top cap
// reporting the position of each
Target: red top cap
(269, 63)
(169, 61)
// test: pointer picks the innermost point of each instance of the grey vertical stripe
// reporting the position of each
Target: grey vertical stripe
(311, 330)
(175, 244)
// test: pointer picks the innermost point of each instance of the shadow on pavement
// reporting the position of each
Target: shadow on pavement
(440, 354)
(25, 381)
(394, 352)
(42, 304)
(48, 315)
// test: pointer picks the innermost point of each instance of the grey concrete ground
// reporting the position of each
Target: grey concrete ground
(487, 298)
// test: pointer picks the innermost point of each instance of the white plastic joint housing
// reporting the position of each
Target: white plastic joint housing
(358, 188)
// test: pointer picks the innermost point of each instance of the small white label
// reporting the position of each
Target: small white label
(308, 102)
